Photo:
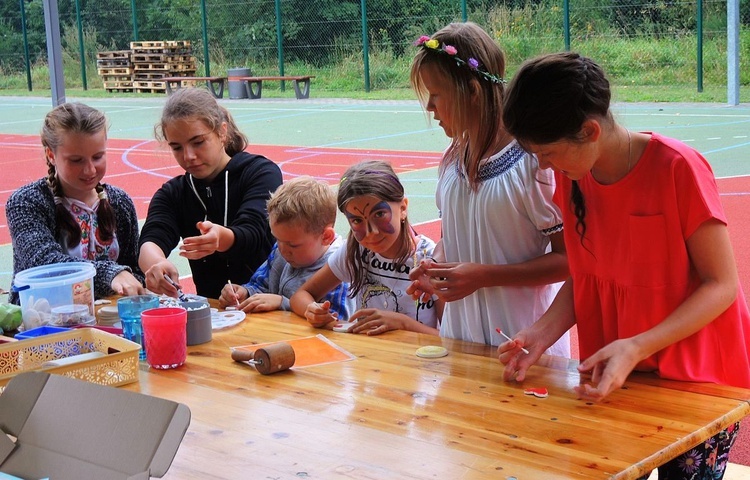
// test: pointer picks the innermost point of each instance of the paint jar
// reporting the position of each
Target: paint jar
(198, 322)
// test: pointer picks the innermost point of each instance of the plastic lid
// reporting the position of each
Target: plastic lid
(54, 275)
(71, 309)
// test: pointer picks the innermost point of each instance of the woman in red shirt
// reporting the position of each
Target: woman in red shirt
(653, 283)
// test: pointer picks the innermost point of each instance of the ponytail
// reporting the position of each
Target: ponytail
(578, 204)
(236, 140)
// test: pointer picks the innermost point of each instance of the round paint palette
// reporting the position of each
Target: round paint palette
(432, 351)
(221, 320)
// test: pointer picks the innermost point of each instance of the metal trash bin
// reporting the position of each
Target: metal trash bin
(237, 87)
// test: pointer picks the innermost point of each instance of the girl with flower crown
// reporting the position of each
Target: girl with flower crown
(501, 251)
(380, 252)
(70, 216)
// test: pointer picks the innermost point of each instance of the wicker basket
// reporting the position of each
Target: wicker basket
(118, 366)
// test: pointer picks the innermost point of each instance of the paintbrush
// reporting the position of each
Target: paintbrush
(510, 339)
(234, 294)
(181, 296)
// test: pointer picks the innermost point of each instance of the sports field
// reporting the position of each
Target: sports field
(322, 138)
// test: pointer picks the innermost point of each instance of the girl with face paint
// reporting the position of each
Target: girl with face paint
(381, 250)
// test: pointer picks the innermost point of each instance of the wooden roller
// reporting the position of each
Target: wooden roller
(269, 359)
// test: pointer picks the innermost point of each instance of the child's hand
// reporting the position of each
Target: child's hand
(231, 295)
(421, 289)
(517, 362)
(156, 282)
(203, 245)
(609, 368)
(319, 315)
(453, 281)
(261, 302)
(126, 284)
(374, 322)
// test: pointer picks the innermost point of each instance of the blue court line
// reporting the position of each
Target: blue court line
(732, 147)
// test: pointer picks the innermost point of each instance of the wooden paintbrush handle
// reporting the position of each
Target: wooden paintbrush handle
(242, 355)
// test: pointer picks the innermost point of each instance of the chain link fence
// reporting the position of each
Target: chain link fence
(655, 42)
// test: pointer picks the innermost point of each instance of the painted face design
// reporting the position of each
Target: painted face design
(364, 219)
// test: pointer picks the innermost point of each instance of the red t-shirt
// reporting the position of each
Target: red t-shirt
(633, 269)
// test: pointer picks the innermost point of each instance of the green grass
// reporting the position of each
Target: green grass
(646, 62)
(655, 71)
(676, 93)
(622, 93)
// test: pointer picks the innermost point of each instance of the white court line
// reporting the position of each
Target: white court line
(734, 176)
(135, 167)
(368, 153)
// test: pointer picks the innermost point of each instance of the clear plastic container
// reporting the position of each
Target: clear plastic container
(71, 315)
(46, 287)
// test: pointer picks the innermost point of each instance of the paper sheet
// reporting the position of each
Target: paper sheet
(309, 351)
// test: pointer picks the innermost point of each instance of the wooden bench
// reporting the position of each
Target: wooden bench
(214, 84)
(254, 85)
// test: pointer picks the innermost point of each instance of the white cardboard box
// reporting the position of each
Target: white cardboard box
(70, 429)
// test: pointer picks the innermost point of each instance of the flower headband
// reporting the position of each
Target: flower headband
(426, 42)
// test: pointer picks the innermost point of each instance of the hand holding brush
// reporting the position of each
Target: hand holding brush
(180, 296)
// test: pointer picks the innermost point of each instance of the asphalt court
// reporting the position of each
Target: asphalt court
(322, 137)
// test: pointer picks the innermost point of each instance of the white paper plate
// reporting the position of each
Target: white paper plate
(221, 320)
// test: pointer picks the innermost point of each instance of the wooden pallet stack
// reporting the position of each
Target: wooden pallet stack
(116, 70)
(153, 61)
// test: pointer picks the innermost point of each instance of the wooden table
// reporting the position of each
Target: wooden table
(389, 414)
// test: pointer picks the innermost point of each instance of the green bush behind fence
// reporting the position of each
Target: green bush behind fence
(639, 42)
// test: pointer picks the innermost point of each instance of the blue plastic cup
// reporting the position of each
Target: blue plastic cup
(129, 310)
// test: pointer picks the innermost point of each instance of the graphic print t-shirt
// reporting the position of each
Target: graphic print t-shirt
(385, 287)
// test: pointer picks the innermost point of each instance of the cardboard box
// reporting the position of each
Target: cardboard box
(71, 429)
(118, 366)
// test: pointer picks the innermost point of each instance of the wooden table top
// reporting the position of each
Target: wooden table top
(389, 414)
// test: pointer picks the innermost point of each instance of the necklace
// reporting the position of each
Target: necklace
(630, 160)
